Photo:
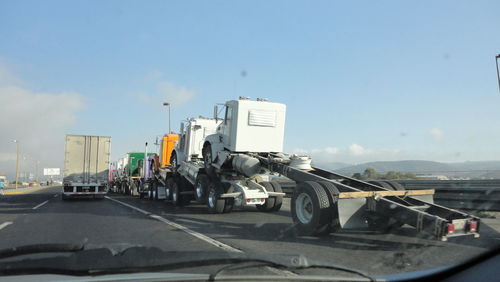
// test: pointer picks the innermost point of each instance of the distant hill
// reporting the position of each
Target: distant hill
(480, 169)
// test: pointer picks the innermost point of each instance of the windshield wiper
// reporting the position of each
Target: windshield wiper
(103, 260)
(296, 263)
(40, 248)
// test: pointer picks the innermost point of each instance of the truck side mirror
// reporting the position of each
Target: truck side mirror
(216, 110)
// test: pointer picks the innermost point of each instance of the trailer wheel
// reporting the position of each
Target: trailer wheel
(229, 202)
(207, 160)
(269, 203)
(332, 191)
(214, 203)
(311, 209)
(176, 193)
(278, 200)
(155, 190)
(200, 188)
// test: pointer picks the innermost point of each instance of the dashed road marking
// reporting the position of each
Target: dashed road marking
(181, 227)
(5, 224)
(37, 206)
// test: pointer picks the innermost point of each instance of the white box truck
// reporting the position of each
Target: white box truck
(86, 166)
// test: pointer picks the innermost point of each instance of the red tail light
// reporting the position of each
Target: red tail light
(451, 228)
(473, 226)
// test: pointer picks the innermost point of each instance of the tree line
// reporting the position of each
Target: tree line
(371, 173)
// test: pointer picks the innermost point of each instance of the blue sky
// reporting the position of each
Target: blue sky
(362, 80)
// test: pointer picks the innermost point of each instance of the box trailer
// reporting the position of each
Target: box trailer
(86, 166)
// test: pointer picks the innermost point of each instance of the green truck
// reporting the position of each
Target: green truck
(129, 171)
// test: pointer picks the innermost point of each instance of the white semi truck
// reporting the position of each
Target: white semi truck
(237, 160)
(86, 166)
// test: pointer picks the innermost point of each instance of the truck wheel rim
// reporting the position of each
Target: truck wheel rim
(304, 208)
(199, 191)
(211, 198)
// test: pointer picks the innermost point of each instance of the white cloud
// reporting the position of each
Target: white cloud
(175, 95)
(300, 151)
(437, 133)
(331, 150)
(38, 120)
(352, 154)
(357, 150)
(166, 91)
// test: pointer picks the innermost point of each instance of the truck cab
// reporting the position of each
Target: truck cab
(247, 126)
(192, 137)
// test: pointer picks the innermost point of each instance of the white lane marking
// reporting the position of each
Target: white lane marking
(181, 227)
(5, 224)
(130, 206)
(56, 195)
(36, 207)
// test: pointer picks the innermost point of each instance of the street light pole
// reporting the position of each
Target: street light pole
(17, 162)
(36, 172)
(498, 73)
(168, 105)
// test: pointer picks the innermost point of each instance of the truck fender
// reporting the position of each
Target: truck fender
(216, 145)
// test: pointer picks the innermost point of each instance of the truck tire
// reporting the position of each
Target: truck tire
(269, 202)
(332, 192)
(214, 203)
(155, 190)
(229, 202)
(200, 188)
(125, 188)
(311, 209)
(168, 189)
(278, 200)
(176, 193)
(207, 160)
(64, 197)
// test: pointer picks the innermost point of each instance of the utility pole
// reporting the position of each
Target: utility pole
(36, 172)
(168, 105)
(17, 162)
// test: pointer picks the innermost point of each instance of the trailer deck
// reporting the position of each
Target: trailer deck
(354, 203)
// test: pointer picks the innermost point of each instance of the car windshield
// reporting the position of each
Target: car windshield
(360, 135)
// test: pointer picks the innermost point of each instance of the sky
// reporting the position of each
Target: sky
(362, 80)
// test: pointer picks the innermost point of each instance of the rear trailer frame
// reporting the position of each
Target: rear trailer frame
(354, 204)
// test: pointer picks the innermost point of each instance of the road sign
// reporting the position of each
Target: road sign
(51, 171)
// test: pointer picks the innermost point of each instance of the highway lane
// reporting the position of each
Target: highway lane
(251, 231)
(124, 219)
(95, 222)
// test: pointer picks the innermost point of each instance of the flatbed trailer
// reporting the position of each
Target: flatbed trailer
(353, 203)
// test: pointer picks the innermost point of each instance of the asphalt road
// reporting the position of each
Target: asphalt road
(42, 217)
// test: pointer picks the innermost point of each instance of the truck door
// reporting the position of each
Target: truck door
(226, 126)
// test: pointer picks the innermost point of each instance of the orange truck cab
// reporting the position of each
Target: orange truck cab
(166, 147)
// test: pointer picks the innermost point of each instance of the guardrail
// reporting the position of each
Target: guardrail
(479, 195)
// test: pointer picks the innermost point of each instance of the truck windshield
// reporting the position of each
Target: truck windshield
(359, 134)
